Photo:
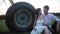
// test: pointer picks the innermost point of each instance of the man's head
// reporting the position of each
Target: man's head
(46, 9)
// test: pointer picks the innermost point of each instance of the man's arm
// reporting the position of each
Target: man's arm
(56, 18)
(58, 23)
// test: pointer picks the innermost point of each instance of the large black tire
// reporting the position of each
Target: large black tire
(19, 17)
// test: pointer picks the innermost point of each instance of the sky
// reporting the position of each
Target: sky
(54, 5)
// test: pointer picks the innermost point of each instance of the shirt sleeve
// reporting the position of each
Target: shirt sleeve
(55, 18)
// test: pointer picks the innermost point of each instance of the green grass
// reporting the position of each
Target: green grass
(3, 27)
(58, 16)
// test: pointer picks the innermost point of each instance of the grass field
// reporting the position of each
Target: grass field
(3, 27)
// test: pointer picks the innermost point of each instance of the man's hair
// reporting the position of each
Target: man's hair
(47, 7)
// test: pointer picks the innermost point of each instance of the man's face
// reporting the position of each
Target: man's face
(45, 11)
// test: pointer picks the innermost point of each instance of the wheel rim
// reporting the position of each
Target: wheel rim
(23, 18)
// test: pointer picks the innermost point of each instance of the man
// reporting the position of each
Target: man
(49, 17)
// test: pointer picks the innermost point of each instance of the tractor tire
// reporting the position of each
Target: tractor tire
(19, 17)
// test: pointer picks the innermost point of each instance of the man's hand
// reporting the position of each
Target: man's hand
(45, 24)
